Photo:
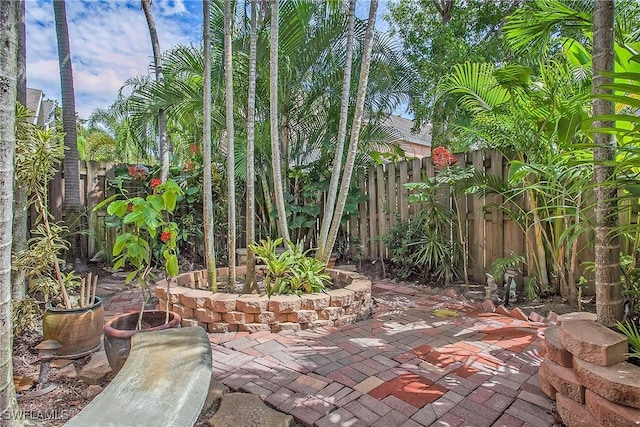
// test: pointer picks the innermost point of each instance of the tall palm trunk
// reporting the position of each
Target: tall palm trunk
(207, 197)
(163, 144)
(231, 186)
(20, 228)
(276, 154)
(609, 304)
(355, 128)
(323, 255)
(250, 283)
(72, 205)
(8, 71)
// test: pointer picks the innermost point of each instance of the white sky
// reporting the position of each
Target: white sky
(110, 42)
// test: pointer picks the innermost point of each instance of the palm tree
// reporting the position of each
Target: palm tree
(251, 284)
(332, 193)
(355, 128)
(231, 187)
(8, 71)
(609, 304)
(163, 146)
(20, 231)
(207, 215)
(72, 204)
(276, 151)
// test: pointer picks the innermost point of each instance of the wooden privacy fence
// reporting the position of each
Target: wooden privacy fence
(490, 234)
(93, 176)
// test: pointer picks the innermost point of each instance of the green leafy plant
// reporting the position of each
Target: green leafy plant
(292, 271)
(630, 330)
(145, 220)
(499, 266)
(26, 314)
(38, 155)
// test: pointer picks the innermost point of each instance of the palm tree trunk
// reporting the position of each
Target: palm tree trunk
(609, 304)
(20, 228)
(250, 282)
(276, 154)
(163, 145)
(72, 203)
(355, 128)
(207, 206)
(342, 133)
(231, 186)
(267, 200)
(8, 76)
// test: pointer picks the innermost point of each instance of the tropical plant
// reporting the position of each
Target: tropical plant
(291, 271)
(37, 159)
(630, 330)
(250, 283)
(207, 205)
(8, 71)
(347, 172)
(145, 220)
(72, 204)
(163, 143)
(230, 133)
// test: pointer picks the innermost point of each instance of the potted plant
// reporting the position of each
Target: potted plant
(145, 225)
(75, 321)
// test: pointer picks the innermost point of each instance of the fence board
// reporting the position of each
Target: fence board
(382, 200)
(403, 201)
(392, 195)
(373, 214)
(477, 244)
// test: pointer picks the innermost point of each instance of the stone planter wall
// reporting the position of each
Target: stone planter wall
(347, 301)
(585, 373)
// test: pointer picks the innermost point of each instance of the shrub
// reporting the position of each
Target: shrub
(292, 271)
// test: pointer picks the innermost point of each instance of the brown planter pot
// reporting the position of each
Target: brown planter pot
(78, 329)
(119, 330)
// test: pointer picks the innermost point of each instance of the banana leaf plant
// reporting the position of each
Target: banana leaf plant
(143, 220)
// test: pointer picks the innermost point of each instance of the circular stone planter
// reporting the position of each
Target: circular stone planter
(119, 330)
(78, 329)
(348, 300)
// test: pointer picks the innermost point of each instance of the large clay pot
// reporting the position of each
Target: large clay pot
(78, 329)
(119, 330)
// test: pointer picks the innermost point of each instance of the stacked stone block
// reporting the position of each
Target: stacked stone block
(585, 372)
(347, 300)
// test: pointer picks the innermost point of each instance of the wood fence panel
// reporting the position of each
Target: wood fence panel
(373, 214)
(477, 241)
(392, 195)
(363, 223)
(382, 208)
(403, 199)
(416, 176)
(495, 225)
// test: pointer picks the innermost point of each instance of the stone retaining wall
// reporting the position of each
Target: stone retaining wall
(348, 300)
(585, 372)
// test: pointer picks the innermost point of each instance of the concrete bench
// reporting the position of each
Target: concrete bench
(164, 382)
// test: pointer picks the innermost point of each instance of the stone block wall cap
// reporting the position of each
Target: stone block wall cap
(578, 315)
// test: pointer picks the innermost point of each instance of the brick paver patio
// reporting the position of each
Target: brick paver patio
(406, 366)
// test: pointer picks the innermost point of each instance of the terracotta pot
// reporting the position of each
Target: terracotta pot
(119, 330)
(78, 329)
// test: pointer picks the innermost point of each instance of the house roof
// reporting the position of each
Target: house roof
(34, 102)
(404, 127)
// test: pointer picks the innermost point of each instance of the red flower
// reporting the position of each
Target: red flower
(443, 158)
(188, 166)
(136, 172)
(165, 236)
(194, 149)
(129, 207)
(155, 182)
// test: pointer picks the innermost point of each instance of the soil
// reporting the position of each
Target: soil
(70, 395)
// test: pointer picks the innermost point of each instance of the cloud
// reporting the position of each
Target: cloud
(109, 43)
